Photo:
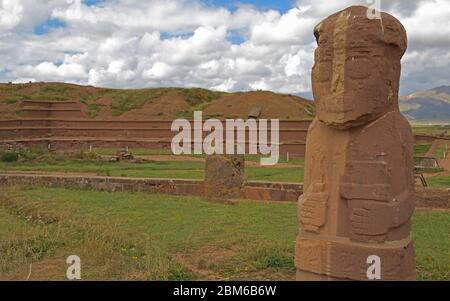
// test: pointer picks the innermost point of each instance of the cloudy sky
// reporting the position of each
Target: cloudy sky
(216, 44)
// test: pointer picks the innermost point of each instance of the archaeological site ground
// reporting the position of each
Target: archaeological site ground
(83, 172)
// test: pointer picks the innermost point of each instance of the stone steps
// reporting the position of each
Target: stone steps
(48, 109)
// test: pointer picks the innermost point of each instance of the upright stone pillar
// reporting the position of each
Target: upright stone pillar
(224, 177)
(359, 181)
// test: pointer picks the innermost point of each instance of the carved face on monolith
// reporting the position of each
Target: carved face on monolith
(356, 74)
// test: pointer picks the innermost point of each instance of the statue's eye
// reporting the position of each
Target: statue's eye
(322, 71)
(358, 68)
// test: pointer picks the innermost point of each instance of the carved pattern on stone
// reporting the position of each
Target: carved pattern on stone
(359, 185)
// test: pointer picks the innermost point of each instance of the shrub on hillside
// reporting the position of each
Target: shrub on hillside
(9, 157)
(25, 153)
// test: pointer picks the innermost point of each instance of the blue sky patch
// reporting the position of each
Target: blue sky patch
(92, 2)
(48, 25)
(168, 36)
(282, 5)
(236, 37)
(5, 75)
(4, 71)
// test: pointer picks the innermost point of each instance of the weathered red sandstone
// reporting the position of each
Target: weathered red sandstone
(359, 183)
(224, 177)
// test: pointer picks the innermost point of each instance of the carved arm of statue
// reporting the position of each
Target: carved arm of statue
(374, 217)
(373, 209)
(313, 207)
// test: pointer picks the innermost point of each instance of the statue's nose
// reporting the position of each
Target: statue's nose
(337, 81)
(336, 84)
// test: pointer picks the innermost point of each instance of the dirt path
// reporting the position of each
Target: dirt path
(170, 158)
(432, 150)
(445, 164)
(48, 268)
(50, 173)
(432, 209)
(435, 146)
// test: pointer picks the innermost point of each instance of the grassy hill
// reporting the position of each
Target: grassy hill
(431, 106)
(155, 103)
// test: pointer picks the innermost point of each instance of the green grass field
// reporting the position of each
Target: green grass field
(439, 182)
(41, 161)
(155, 152)
(158, 169)
(441, 151)
(430, 129)
(142, 236)
(421, 149)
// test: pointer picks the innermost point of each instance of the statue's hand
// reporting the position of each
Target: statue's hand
(312, 210)
(371, 218)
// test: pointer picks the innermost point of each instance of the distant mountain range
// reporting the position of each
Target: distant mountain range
(430, 106)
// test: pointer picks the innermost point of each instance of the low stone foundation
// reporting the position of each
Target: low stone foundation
(273, 191)
(111, 184)
(433, 198)
(253, 190)
(267, 191)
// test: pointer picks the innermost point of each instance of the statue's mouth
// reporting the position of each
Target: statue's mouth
(331, 105)
(336, 110)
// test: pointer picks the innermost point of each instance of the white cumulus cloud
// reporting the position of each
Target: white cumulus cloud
(131, 43)
(11, 12)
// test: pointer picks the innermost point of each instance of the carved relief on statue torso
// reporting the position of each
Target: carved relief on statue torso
(357, 180)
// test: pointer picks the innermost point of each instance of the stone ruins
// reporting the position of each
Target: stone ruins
(359, 184)
(66, 125)
(224, 177)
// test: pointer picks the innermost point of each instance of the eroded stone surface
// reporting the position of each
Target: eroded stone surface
(359, 181)
(224, 177)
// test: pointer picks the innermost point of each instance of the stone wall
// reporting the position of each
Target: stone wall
(253, 190)
(430, 138)
(273, 191)
(433, 198)
(111, 184)
(267, 191)
(62, 133)
(51, 109)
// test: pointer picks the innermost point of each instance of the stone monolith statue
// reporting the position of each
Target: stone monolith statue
(224, 177)
(359, 182)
